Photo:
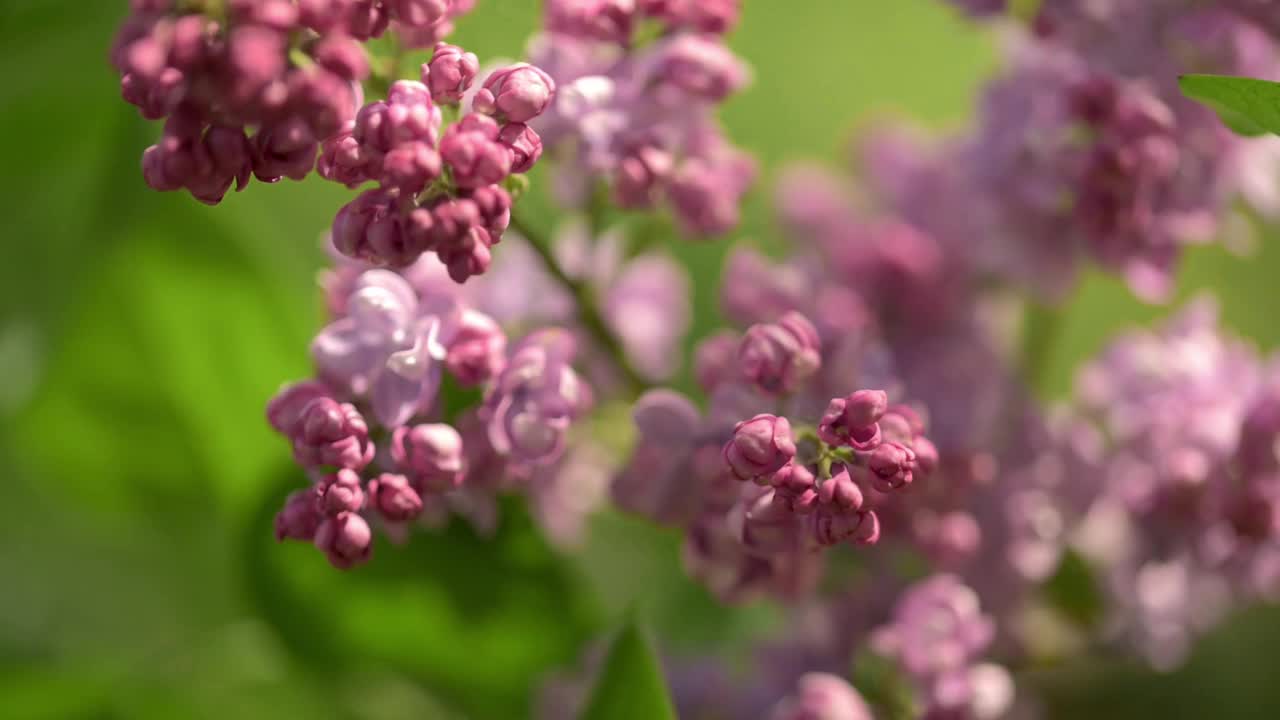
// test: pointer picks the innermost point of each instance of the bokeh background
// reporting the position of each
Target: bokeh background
(141, 334)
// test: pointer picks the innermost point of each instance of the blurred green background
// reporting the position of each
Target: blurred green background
(141, 333)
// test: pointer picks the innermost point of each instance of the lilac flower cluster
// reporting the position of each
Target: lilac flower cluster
(757, 498)
(246, 88)
(1085, 149)
(440, 193)
(639, 117)
(368, 414)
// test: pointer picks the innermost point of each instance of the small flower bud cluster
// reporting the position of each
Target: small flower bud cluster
(823, 696)
(865, 450)
(248, 91)
(641, 118)
(937, 636)
(440, 193)
(379, 365)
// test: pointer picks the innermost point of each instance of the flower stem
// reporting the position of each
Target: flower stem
(588, 308)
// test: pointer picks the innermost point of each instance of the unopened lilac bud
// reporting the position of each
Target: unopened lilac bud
(300, 516)
(840, 492)
(431, 454)
(331, 433)
(702, 67)
(795, 483)
(286, 407)
(865, 407)
(821, 696)
(715, 359)
(345, 539)
(472, 150)
(759, 447)
(901, 424)
(342, 56)
(450, 73)
(830, 526)
(605, 20)
(419, 13)
(834, 428)
(525, 145)
(949, 539)
(341, 492)
(765, 524)
(477, 348)
(891, 465)
(518, 93)
(777, 357)
(493, 204)
(342, 160)
(635, 184)
(468, 257)
(926, 456)
(410, 167)
(394, 498)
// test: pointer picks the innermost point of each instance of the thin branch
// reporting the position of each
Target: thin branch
(587, 308)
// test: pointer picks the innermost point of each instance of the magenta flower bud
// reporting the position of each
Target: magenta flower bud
(351, 226)
(450, 73)
(342, 160)
(926, 456)
(765, 524)
(494, 205)
(407, 115)
(468, 257)
(831, 527)
(477, 348)
(452, 220)
(518, 93)
(342, 56)
(472, 150)
(285, 408)
(605, 20)
(777, 357)
(701, 66)
(834, 429)
(840, 492)
(950, 539)
(891, 465)
(255, 56)
(525, 145)
(345, 539)
(287, 151)
(431, 454)
(639, 174)
(394, 498)
(331, 433)
(865, 407)
(759, 447)
(300, 517)
(410, 167)
(715, 359)
(341, 492)
(419, 13)
(822, 696)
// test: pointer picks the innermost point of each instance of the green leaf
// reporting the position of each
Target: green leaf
(1247, 106)
(630, 686)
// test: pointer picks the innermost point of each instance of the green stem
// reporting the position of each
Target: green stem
(1041, 328)
(588, 308)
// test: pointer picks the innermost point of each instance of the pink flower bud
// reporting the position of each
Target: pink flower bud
(477, 348)
(777, 357)
(410, 167)
(865, 407)
(701, 66)
(430, 454)
(891, 465)
(759, 447)
(331, 433)
(450, 73)
(831, 527)
(926, 456)
(472, 150)
(345, 539)
(341, 492)
(518, 93)
(300, 516)
(284, 410)
(834, 429)
(822, 696)
(605, 20)
(765, 524)
(840, 492)
(394, 498)
(419, 13)
(470, 256)
(635, 184)
(715, 359)
(524, 143)
(342, 56)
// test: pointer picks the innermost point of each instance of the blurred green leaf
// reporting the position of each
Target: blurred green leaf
(630, 686)
(1246, 105)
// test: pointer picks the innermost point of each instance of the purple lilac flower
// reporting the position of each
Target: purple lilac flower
(535, 398)
(822, 696)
